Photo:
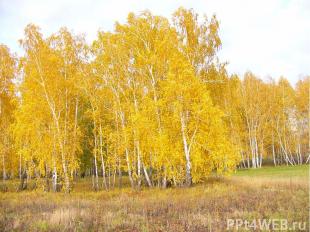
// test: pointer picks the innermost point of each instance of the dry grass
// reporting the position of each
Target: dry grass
(205, 207)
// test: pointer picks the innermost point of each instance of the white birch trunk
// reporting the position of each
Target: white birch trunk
(188, 178)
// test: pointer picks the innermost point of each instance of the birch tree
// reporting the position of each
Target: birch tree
(7, 105)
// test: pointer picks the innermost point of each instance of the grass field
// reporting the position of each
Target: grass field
(268, 193)
(300, 171)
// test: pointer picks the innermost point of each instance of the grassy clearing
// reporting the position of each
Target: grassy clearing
(300, 171)
(204, 207)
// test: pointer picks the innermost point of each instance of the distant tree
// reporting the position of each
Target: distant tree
(8, 71)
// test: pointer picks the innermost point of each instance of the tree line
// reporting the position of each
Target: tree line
(150, 101)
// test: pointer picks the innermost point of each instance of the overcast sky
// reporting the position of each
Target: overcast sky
(267, 37)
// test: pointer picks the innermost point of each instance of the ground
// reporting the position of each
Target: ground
(266, 193)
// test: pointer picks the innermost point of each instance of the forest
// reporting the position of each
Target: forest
(149, 103)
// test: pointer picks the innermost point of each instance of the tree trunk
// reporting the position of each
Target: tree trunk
(4, 176)
(138, 164)
(66, 177)
(274, 155)
(127, 152)
(164, 181)
(188, 177)
(55, 189)
(102, 160)
(109, 175)
(119, 174)
(308, 159)
(96, 178)
(47, 180)
(23, 184)
(148, 180)
(20, 166)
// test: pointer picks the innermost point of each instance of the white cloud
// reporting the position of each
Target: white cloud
(266, 37)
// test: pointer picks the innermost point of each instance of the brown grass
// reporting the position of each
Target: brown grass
(205, 207)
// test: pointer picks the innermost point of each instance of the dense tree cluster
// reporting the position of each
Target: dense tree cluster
(149, 100)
